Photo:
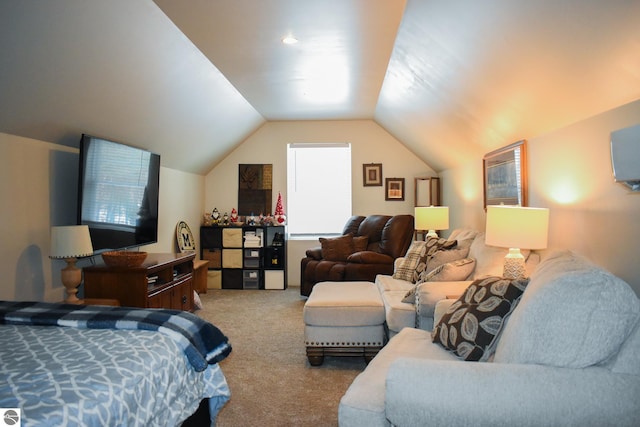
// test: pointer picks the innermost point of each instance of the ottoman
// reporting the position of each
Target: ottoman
(343, 319)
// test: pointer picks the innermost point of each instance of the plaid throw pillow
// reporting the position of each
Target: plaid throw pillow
(415, 261)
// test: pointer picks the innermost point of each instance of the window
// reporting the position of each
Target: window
(318, 188)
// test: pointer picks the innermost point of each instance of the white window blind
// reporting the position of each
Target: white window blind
(318, 188)
(114, 188)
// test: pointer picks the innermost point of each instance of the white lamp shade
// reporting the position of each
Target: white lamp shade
(70, 241)
(431, 217)
(517, 227)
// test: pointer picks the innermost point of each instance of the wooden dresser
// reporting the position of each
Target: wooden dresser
(162, 281)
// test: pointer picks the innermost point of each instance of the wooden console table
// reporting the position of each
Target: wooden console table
(162, 281)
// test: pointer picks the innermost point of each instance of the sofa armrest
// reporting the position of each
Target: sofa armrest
(315, 253)
(430, 392)
(369, 257)
(429, 293)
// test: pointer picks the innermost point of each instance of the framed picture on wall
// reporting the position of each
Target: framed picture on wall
(254, 189)
(505, 175)
(372, 175)
(394, 189)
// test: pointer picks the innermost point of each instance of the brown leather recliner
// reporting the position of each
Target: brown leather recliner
(389, 238)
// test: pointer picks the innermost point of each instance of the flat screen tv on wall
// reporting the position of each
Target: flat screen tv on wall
(118, 189)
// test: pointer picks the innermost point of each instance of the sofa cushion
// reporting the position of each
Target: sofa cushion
(337, 248)
(352, 225)
(470, 327)
(626, 360)
(573, 314)
(364, 402)
(396, 236)
(388, 283)
(372, 226)
(398, 314)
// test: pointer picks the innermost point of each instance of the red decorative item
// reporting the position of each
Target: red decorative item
(279, 213)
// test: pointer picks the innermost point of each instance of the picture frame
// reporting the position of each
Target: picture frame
(372, 175)
(254, 189)
(505, 175)
(394, 189)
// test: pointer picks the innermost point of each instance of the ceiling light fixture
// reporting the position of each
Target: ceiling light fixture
(289, 40)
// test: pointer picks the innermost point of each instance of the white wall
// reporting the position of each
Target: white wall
(181, 199)
(370, 143)
(570, 173)
(38, 186)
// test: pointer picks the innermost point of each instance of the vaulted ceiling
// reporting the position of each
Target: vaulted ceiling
(191, 79)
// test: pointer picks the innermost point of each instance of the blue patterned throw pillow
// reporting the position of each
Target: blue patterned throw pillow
(470, 327)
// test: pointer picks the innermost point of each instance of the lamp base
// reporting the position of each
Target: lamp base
(71, 278)
(432, 233)
(514, 266)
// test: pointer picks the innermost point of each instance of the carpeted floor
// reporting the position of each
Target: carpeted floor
(271, 381)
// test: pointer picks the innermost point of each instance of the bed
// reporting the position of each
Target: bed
(72, 365)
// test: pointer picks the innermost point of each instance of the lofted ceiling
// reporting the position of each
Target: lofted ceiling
(191, 79)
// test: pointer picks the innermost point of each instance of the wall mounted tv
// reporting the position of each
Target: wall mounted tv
(118, 189)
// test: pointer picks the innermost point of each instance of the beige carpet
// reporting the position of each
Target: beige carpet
(271, 381)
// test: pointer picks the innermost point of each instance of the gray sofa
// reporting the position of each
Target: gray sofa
(452, 280)
(569, 354)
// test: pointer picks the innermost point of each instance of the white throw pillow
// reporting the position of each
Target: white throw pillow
(444, 257)
(450, 272)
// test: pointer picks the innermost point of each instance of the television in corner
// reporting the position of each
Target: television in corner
(118, 191)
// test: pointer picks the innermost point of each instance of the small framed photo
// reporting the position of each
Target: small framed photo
(372, 175)
(394, 189)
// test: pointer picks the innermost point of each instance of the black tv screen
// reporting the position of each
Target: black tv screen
(118, 194)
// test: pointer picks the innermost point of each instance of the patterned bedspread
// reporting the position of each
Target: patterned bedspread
(202, 342)
(103, 377)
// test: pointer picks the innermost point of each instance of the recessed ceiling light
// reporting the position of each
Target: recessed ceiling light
(289, 40)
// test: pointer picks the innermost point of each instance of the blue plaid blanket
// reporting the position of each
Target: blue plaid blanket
(202, 342)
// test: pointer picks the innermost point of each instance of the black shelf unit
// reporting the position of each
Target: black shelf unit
(238, 262)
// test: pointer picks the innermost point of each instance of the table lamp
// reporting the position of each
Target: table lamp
(431, 218)
(69, 243)
(516, 227)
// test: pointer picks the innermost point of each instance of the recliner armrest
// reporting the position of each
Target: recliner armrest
(315, 253)
(369, 257)
(420, 391)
